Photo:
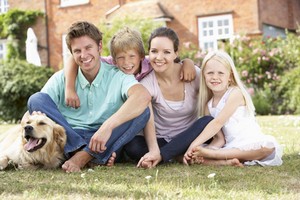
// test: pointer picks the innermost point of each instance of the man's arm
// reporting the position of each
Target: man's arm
(137, 102)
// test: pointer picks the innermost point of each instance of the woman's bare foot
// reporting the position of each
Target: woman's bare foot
(76, 162)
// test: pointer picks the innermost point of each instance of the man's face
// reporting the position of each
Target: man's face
(86, 53)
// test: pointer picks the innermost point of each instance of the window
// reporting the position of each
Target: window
(65, 51)
(3, 6)
(213, 30)
(65, 3)
(2, 49)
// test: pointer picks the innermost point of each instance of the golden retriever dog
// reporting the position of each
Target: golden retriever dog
(38, 142)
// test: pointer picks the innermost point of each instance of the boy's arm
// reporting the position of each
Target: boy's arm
(188, 72)
(71, 96)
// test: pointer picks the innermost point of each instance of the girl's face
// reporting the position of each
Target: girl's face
(217, 76)
(129, 61)
(161, 53)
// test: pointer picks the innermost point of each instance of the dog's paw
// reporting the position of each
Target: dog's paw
(3, 162)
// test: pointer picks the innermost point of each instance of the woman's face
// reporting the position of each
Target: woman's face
(161, 53)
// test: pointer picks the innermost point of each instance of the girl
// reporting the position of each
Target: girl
(223, 96)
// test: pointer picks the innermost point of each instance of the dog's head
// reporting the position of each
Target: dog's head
(39, 131)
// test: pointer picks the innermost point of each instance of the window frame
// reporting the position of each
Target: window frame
(4, 6)
(67, 3)
(213, 29)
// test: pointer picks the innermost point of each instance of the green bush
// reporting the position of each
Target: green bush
(289, 89)
(18, 80)
(13, 26)
(261, 102)
(145, 26)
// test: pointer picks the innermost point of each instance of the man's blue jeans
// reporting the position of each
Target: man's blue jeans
(79, 139)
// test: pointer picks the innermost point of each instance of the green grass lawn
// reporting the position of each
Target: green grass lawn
(171, 181)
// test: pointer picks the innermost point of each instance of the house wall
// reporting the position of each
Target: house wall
(284, 14)
(245, 15)
(60, 18)
(248, 17)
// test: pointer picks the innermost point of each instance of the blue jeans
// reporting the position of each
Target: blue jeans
(79, 139)
(137, 147)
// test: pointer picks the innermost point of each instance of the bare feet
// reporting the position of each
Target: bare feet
(110, 162)
(200, 151)
(230, 162)
(76, 162)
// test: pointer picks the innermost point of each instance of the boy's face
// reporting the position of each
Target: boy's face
(129, 61)
(86, 53)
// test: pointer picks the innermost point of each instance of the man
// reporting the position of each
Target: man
(110, 99)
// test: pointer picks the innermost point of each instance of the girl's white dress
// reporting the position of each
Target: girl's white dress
(243, 132)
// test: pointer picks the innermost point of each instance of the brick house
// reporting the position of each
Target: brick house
(201, 22)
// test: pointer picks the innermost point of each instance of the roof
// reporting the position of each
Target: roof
(142, 9)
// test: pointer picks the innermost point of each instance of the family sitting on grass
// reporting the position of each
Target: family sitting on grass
(155, 109)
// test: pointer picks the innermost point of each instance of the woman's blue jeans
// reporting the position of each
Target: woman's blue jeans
(137, 147)
(79, 139)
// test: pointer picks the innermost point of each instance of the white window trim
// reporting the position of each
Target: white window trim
(65, 51)
(215, 36)
(66, 3)
(4, 6)
(3, 51)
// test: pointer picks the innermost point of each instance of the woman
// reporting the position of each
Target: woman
(175, 112)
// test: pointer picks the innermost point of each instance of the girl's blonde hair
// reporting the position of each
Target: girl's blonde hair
(205, 94)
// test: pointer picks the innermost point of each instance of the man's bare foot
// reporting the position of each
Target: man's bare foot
(76, 162)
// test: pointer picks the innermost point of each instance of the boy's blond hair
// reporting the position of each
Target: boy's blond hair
(126, 39)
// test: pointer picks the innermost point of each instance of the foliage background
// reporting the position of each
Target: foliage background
(269, 67)
(18, 80)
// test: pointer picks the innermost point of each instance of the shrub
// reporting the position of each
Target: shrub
(18, 81)
(145, 26)
(14, 25)
(289, 89)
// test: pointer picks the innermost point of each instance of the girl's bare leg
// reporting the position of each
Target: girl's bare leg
(226, 154)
